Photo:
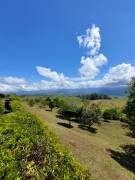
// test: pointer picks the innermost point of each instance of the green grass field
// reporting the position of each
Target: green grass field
(118, 103)
(98, 149)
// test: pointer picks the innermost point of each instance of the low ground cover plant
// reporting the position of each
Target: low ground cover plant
(28, 150)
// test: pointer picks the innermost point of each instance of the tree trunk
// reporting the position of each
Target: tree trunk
(69, 123)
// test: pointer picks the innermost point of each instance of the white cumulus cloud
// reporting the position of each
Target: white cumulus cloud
(90, 67)
(48, 73)
(120, 74)
(10, 83)
(91, 40)
(12, 80)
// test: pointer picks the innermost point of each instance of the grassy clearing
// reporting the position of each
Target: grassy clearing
(93, 149)
(118, 103)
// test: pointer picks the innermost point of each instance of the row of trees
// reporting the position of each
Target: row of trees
(90, 113)
(86, 114)
(44, 102)
(94, 96)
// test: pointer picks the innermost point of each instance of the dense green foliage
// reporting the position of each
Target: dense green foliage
(94, 96)
(44, 101)
(79, 110)
(87, 115)
(130, 106)
(112, 114)
(31, 102)
(90, 114)
(1, 108)
(2, 95)
(71, 108)
(29, 151)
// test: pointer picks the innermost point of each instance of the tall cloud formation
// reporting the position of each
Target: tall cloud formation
(91, 65)
(91, 40)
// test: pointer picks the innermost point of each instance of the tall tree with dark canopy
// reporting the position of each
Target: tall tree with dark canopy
(130, 106)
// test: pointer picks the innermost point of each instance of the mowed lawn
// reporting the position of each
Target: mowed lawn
(98, 149)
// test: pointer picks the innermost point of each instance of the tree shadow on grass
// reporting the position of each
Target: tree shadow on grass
(90, 129)
(107, 121)
(65, 125)
(125, 158)
(124, 125)
(48, 110)
(62, 117)
(130, 134)
(59, 116)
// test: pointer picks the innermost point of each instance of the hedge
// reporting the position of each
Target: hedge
(28, 150)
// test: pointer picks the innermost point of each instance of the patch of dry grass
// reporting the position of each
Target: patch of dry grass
(118, 103)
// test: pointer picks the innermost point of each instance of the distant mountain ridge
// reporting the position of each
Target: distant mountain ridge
(112, 91)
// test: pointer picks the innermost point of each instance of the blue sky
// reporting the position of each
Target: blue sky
(37, 35)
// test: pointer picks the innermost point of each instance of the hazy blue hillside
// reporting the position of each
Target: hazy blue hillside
(113, 91)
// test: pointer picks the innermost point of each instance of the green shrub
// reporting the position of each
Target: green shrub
(16, 106)
(51, 105)
(2, 95)
(112, 114)
(57, 102)
(123, 118)
(28, 150)
(1, 109)
(94, 96)
(31, 102)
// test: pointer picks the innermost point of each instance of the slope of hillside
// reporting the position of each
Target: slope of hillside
(99, 149)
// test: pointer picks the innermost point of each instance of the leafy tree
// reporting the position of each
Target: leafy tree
(95, 96)
(2, 95)
(130, 106)
(48, 99)
(13, 97)
(8, 107)
(51, 105)
(68, 112)
(90, 114)
(31, 102)
(56, 102)
(37, 99)
(43, 102)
